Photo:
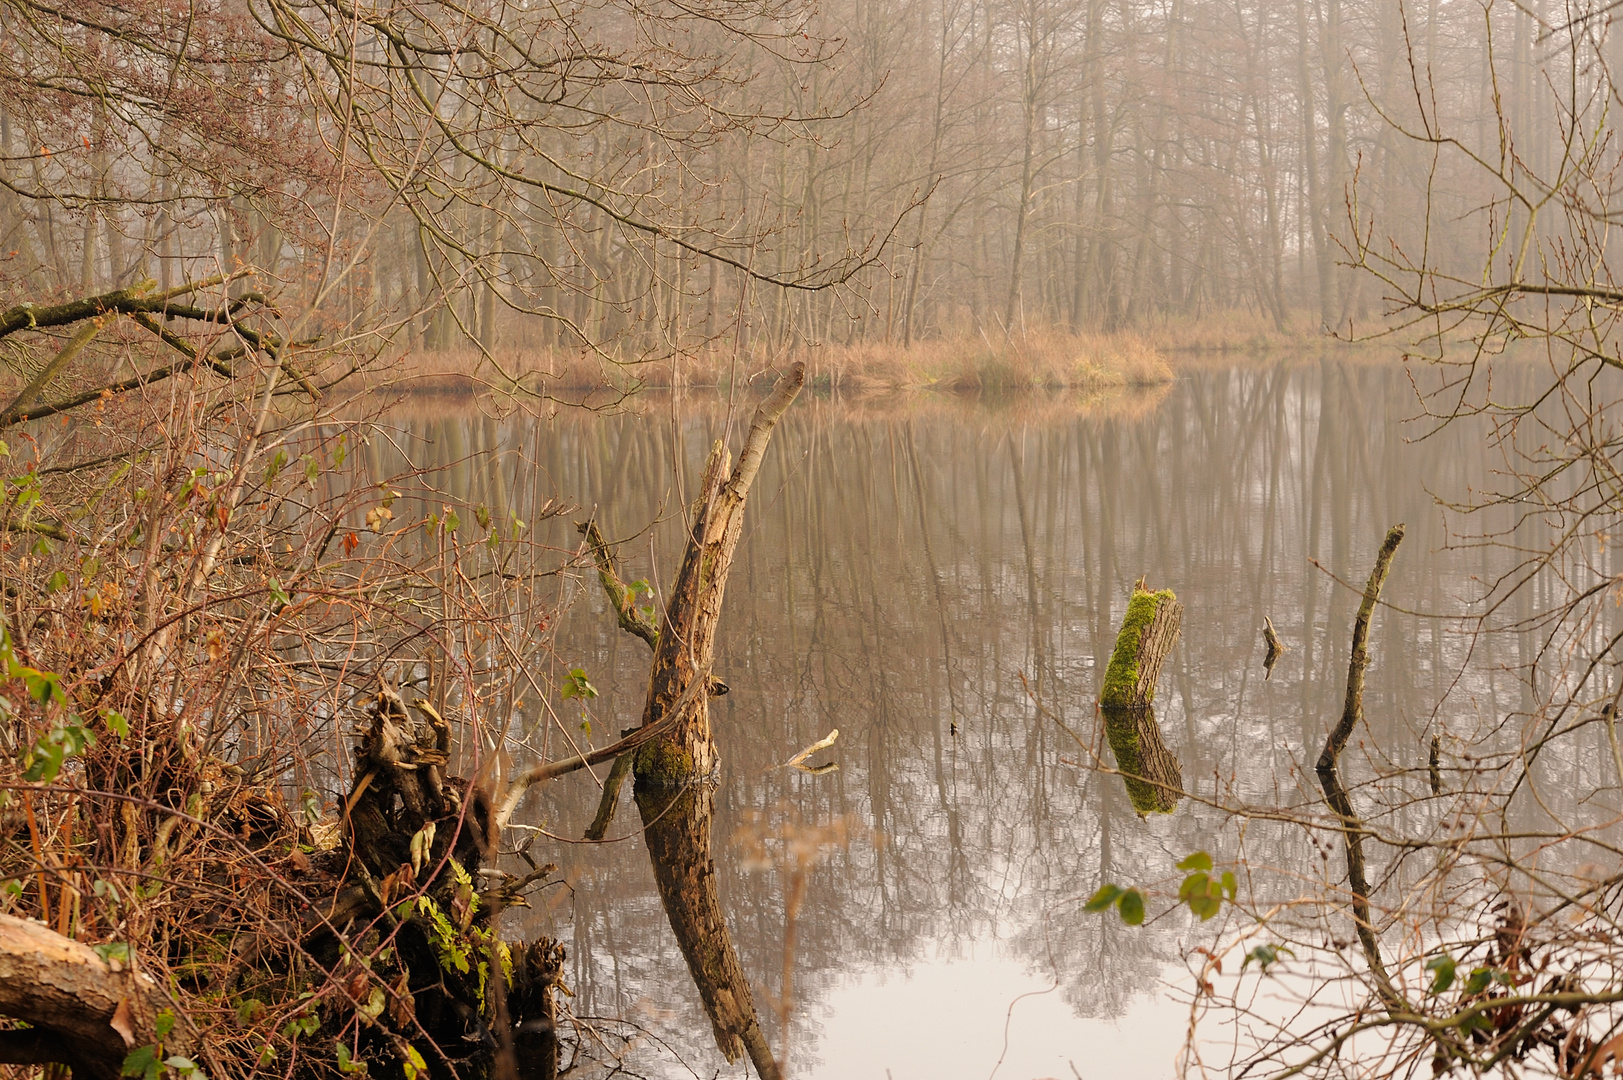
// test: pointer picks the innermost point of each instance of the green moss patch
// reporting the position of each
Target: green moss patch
(663, 765)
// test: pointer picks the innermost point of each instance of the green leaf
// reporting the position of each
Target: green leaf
(1443, 966)
(42, 685)
(164, 1024)
(1198, 861)
(139, 1061)
(575, 684)
(1230, 886)
(274, 466)
(414, 1063)
(277, 594)
(45, 763)
(116, 950)
(1479, 980)
(452, 522)
(1131, 906)
(116, 723)
(1205, 906)
(1265, 955)
(56, 582)
(346, 1063)
(1107, 895)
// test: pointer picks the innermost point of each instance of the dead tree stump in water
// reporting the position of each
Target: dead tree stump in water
(675, 773)
(1149, 630)
(1148, 633)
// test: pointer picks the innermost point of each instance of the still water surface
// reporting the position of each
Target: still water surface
(941, 582)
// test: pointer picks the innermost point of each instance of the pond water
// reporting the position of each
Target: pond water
(941, 581)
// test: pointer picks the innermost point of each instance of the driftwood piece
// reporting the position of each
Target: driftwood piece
(1335, 792)
(1152, 773)
(75, 1004)
(1149, 630)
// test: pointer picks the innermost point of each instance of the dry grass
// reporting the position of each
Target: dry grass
(1035, 361)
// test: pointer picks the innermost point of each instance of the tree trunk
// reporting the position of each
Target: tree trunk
(675, 772)
(1149, 630)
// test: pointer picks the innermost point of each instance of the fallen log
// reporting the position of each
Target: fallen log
(81, 1011)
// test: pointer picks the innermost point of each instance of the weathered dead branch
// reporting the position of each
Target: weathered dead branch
(1328, 769)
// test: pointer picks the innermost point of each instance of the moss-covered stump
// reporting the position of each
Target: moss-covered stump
(1148, 633)
(1152, 773)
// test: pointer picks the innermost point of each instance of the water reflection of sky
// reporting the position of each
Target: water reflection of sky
(911, 566)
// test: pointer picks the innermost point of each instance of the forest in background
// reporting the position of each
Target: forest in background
(858, 171)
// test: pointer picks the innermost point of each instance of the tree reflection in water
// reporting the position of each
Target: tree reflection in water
(909, 569)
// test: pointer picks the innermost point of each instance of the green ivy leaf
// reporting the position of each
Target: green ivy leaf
(1198, 861)
(1443, 966)
(1101, 900)
(1131, 906)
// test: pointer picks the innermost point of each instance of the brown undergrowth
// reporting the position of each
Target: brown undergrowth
(247, 698)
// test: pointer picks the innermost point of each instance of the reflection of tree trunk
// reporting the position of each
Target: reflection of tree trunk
(674, 772)
(1154, 778)
(678, 821)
